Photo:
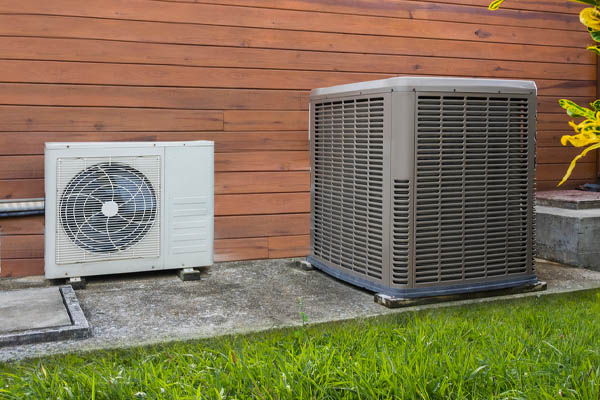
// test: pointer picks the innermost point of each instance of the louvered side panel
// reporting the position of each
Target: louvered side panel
(347, 197)
(401, 232)
(472, 187)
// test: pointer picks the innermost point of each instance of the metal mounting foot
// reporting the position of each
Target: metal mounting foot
(77, 282)
(304, 265)
(188, 274)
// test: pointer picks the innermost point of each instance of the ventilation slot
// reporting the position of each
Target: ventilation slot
(471, 187)
(348, 184)
(400, 238)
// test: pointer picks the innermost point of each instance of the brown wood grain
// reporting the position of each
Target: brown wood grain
(548, 172)
(22, 246)
(570, 184)
(30, 118)
(30, 225)
(564, 155)
(261, 182)
(151, 97)
(241, 249)
(141, 31)
(16, 143)
(247, 226)
(293, 20)
(461, 11)
(289, 246)
(165, 75)
(24, 48)
(269, 203)
(16, 268)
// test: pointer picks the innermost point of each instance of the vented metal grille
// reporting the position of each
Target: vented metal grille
(472, 187)
(107, 208)
(348, 184)
(400, 232)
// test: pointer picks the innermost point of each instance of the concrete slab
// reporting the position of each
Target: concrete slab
(234, 298)
(570, 199)
(41, 315)
(26, 309)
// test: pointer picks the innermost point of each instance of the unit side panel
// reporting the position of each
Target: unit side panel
(189, 206)
(473, 187)
(349, 162)
(401, 183)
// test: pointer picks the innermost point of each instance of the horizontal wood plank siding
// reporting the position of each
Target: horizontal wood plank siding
(239, 72)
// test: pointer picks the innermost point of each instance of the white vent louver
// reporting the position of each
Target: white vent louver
(106, 209)
(423, 186)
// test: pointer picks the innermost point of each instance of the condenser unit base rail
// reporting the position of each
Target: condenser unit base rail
(401, 302)
(428, 291)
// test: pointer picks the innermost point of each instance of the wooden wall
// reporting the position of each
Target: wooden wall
(239, 73)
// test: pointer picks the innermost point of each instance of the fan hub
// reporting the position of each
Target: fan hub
(110, 208)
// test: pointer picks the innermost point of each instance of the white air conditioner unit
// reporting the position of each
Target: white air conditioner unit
(424, 186)
(132, 206)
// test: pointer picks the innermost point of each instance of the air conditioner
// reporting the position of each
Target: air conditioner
(424, 186)
(131, 206)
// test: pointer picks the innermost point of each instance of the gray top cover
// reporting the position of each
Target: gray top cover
(427, 84)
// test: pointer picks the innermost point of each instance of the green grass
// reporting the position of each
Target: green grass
(545, 348)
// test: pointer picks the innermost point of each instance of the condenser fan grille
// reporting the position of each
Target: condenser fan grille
(109, 208)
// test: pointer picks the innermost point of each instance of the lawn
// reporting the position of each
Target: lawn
(538, 347)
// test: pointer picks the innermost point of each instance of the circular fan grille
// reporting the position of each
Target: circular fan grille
(108, 207)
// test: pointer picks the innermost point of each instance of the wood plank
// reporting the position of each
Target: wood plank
(161, 75)
(570, 184)
(30, 225)
(30, 118)
(17, 268)
(559, 6)
(263, 161)
(549, 104)
(248, 226)
(293, 20)
(152, 97)
(21, 189)
(273, 203)
(22, 246)
(22, 48)
(548, 172)
(237, 120)
(155, 32)
(241, 249)
(261, 182)
(554, 155)
(15, 143)
(21, 167)
(427, 10)
(289, 246)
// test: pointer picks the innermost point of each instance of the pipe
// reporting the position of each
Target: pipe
(21, 207)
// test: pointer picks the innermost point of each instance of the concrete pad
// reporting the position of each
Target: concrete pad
(41, 315)
(26, 309)
(235, 298)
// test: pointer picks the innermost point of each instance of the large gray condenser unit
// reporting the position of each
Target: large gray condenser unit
(424, 186)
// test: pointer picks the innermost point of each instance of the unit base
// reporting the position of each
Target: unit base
(77, 282)
(400, 302)
(427, 291)
(188, 274)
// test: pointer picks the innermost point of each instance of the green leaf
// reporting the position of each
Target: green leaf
(596, 105)
(494, 5)
(595, 34)
(575, 110)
